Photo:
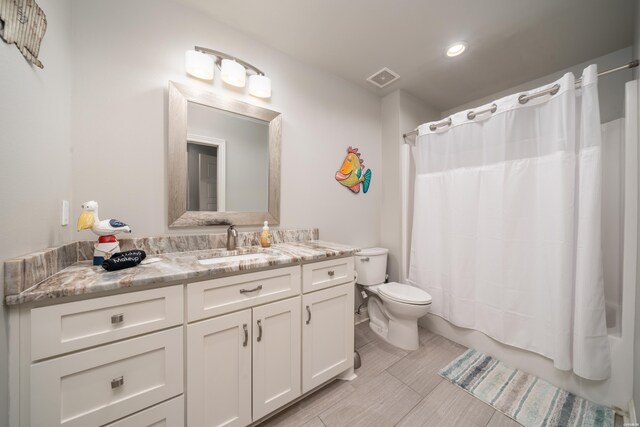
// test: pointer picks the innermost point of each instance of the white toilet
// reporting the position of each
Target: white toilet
(394, 308)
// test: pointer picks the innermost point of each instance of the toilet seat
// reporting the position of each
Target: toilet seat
(405, 294)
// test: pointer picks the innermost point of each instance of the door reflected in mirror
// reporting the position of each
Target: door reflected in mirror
(227, 161)
(206, 177)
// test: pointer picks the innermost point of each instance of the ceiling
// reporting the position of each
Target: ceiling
(510, 41)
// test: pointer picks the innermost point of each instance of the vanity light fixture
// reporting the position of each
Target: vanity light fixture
(233, 71)
(456, 49)
(199, 65)
(260, 86)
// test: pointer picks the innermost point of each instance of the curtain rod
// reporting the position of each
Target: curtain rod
(523, 99)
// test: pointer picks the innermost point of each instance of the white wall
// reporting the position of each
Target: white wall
(613, 143)
(390, 226)
(636, 377)
(401, 113)
(610, 88)
(35, 153)
(124, 55)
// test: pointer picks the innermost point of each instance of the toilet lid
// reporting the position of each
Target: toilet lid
(404, 293)
(372, 252)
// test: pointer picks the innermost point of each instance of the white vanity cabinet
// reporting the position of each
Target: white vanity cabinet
(219, 371)
(327, 334)
(95, 361)
(236, 359)
(276, 355)
(244, 365)
(247, 345)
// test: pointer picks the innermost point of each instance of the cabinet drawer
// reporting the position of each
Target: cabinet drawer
(167, 414)
(321, 275)
(100, 385)
(76, 325)
(219, 296)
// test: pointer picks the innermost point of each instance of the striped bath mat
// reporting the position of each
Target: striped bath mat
(521, 396)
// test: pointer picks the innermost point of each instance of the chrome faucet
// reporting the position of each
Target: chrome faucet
(232, 237)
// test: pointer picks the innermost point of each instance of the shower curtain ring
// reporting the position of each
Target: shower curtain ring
(435, 126)
(473, 114)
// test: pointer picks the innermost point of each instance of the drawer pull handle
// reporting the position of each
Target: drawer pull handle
(246, 291)
(331, 273)
(117, 318)
(246, 335)
(309, 313)
(259, 330)
(365, 259)
(117, 382)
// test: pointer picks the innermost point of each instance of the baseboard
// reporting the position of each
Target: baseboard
(348, 375)
(362, 317)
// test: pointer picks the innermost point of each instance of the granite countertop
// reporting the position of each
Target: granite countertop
(84, 278)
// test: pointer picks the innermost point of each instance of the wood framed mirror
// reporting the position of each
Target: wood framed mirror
(224, 160)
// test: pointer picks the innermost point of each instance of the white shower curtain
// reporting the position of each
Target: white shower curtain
(506, 225)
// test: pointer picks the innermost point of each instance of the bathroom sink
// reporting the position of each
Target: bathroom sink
(250, 254)
(218, 253)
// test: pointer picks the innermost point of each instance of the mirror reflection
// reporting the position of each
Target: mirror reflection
(227, 161)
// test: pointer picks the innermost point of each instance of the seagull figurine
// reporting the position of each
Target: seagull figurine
(108, 227)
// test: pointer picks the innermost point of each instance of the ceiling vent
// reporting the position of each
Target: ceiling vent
(383, 77)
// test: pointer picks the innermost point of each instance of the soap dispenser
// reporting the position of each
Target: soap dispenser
(265, 236)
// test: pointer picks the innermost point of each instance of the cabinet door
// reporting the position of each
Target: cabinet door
(327, 334)
(276, 355)
(219, 371)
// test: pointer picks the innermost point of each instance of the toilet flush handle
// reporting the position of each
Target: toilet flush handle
(364, 259)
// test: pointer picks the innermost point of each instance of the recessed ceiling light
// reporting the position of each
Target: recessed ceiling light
(456, 49)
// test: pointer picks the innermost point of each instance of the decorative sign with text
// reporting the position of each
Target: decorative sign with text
(23, 23)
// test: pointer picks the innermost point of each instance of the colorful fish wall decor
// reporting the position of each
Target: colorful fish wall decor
(352, 172)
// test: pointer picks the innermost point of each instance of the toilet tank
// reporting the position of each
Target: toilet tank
(371, 266)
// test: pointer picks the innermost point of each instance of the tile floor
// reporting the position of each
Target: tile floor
(394, 388)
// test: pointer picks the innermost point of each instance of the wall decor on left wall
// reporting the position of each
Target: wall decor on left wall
(23, 23)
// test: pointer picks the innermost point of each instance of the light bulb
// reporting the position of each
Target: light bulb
(199, 65)
(233, 73)
(456, 49)
(260, 86)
